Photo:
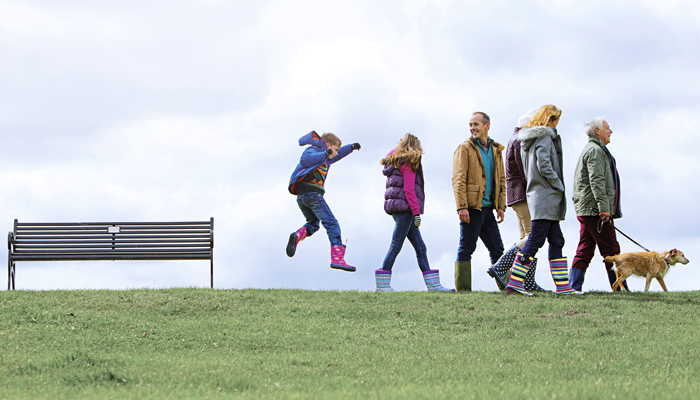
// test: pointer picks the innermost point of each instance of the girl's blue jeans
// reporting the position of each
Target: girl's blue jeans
(315, 210)
(405, 228)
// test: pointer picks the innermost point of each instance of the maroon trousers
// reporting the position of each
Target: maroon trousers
(606, 241)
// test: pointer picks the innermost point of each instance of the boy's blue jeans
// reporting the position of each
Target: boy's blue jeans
(314, 207)
(405, 228)
(482, 225)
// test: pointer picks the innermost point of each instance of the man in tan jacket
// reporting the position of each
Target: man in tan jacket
(479, 184)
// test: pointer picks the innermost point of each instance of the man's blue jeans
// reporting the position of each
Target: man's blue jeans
(482, 225)
(314, 207)
(406, 228)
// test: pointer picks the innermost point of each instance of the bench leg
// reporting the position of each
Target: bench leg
(212, 271)
(10, 275)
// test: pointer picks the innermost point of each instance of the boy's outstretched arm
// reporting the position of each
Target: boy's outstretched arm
(344, 151)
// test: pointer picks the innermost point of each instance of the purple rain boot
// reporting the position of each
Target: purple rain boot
(383, 279)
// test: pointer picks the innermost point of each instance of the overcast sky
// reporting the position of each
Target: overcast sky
(160, 111)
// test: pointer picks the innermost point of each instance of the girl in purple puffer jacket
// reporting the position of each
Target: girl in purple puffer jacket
(404, 200)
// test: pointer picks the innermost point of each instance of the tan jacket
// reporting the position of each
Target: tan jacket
(468, 176)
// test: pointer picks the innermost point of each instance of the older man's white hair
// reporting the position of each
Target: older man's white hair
(592, 124)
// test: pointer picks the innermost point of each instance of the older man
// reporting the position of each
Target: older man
(597, 201)
(479, 182)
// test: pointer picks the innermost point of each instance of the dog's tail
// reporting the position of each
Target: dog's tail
(612, 259)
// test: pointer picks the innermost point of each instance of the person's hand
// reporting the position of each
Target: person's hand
(464, 215)
(416, 221)
(605, 216)
(356, 146)
(501, 216)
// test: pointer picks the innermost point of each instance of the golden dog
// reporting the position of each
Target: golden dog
(649, 264)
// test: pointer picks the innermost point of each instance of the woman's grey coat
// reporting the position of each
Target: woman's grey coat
(541, 151)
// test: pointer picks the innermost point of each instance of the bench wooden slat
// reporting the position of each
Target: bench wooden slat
(127, 257)
(115, 254)
(103, 241)
(53, 224)
(106, 236)
(104, 231)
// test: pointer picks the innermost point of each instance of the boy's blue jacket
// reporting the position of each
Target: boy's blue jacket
(312, 157)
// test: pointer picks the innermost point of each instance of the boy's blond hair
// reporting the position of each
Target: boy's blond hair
(331, 139)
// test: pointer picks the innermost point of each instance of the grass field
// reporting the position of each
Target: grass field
(202, 343)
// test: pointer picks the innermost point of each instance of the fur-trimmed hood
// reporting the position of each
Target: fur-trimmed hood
(527, 136)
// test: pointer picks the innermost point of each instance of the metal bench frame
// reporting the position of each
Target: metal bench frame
(31, 241)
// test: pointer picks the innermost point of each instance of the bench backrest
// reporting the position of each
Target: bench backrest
(112, 241)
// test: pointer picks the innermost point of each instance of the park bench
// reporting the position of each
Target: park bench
(30, 241)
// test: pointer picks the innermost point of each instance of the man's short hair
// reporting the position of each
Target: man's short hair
(484, 117)
(592, 124)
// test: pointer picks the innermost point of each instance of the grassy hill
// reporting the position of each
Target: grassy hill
(202, 343)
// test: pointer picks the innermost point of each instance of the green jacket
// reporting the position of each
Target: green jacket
(594, 183)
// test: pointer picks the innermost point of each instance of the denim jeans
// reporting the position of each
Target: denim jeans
(482, 225)
(314, 207)
(405, 228)
(544, 229)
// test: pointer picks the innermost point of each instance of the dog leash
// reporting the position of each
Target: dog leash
(623, 233)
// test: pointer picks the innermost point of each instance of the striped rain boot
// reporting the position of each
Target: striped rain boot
(560, 274)
(383, 279)
(517, 274)
(294, 240)
(500, 270)
(338, 258)
(529, 282)
(432, 281)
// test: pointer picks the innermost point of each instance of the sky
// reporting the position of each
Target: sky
(175, 111)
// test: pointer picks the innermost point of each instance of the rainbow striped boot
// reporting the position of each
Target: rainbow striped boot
(516, 283)
(560, 274)
(432, 281)
(383, 279)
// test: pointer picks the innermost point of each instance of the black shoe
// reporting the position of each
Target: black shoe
(292, 245)
(501, 269)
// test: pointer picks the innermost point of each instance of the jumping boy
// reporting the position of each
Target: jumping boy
(307, 183)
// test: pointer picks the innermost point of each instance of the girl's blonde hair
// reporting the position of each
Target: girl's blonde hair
(409, 150)
(543, 116)
(331, 139)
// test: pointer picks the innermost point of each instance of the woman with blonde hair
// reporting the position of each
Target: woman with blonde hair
(541, 151)
(404, 200)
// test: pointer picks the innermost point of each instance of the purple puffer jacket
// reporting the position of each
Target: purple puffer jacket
(395, 197)
(515, 173)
